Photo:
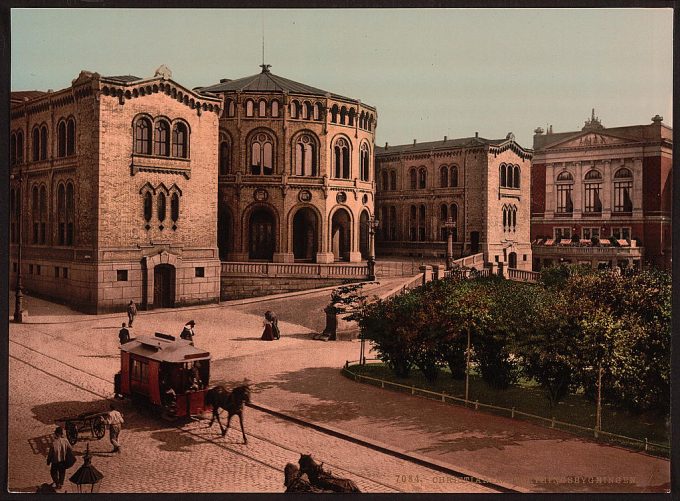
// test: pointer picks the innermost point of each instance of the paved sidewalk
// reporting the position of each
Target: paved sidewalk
(302, 377)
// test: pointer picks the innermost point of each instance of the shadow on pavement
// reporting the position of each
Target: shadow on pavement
(175, 441)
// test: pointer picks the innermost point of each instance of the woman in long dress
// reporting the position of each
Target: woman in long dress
(268, 333)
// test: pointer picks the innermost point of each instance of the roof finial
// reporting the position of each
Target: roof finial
(265, 67)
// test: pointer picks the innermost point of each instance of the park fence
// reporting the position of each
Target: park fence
(645, 445)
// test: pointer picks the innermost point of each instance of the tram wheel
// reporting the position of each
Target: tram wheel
(71, 433)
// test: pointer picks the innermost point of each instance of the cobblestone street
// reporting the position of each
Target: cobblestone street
(63, 364)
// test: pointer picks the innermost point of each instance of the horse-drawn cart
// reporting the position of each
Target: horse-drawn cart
(95, 422)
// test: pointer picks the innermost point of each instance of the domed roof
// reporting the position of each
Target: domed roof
(265, 81)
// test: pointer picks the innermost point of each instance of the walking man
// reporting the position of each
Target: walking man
(57, 457)
(115, 423)
(124, 335)
(131, 311)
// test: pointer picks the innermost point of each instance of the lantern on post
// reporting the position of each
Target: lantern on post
(373, 225)
(87, 478)
(20, 313)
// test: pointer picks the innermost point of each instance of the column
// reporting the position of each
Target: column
(550, 203)
(637, 187)
(607, 190)
(578, 190)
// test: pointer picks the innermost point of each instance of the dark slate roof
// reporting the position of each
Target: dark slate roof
(266, 81)
(439, 145)
(164, 350)
(22, 95)
(124, 78)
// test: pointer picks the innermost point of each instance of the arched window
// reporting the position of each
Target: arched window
(249, 108)
(61, 213)
(43, 214)
(231, 108)
(444, 176)
(70, 213)
(393, 180)
(262, 154)
(20, 147)
(413, 223)
(364, 158)
(12, 149)
(591, 187)
(180, 141)
(564, 187)
(384, 180)
(305, 156)
(61, 139)
(422, 178)
(342, 159)
(623, 186)
(71, 137)
(343, 115)
(509, 177)
(43, 142)
(454, 176)
(262, 108)
(516, 176)
(421, 223)
(414, 179)
(294, 109)
(352, 114)
(161, 207)
(275, 108)
(370, 123)
(593, 174)
(148, 206)
(143, 136)
(225, 157)
(318, 111)
(174, 208)
(334, 114)
(161, 139)
(505, 218)
(35, 144)
(305, 110)
(502, 175)
(35, 213)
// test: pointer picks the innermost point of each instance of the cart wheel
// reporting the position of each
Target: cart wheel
(98, 427)
(71, 433)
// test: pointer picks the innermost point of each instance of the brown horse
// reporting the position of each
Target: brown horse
(231, 401)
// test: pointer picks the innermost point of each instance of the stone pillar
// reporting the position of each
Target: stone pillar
(426, 270)
(437, 272)
(578, 190)
(607, 190)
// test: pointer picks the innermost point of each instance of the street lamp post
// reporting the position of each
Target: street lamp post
(449, 225)
(87, 478)
(19, 312)
(373, 225)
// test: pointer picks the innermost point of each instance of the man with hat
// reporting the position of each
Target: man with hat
(188, 331)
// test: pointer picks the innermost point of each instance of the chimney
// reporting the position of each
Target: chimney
(444, 138)
(224, 80)
(550, 131)
(386, 144)
(414, 142)
(476, 134)
(657, 119)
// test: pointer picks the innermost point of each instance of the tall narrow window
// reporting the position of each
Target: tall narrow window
(454, 176)
(505, 218)
(342, 164)
(364, 157)
(43, 215)
(231, 108)
(249, 108)
(143, 136)
(343, 115)
(275, 109)
(35, 144)
(161, 139)
(61, 214)
(502, 175)
(334, 114)
(444, 176)
(592, 185)
(352, 114)
(413, 223)
(61, 139)
(161, 207)
(20, 147)
(422, 178)
(148, 206)
(35, 213)
(225, 163)
(316, 111)
(70, 213)
(262, 155)
(305, 156)
(262, 108)
(174, 207)
(414, 179)
(623, 186)
(179, 140)
(43, 142)
(305, 110)
(294, 109)
(71, 137)
(393, 223)
(384, 180)
(509, 177)
(516, 176)
(565, 186)
(393, 180)
(421, 224)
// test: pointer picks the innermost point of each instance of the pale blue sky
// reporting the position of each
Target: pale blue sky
(430, 73)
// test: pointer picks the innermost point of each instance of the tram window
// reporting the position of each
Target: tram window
(140, 371)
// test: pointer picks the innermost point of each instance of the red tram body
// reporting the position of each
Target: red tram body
(167, 373)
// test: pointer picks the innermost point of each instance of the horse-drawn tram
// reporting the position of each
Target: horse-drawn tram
(170, 375)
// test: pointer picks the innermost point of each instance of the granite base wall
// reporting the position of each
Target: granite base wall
(247, 286)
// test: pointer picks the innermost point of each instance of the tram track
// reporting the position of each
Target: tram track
(195, 432)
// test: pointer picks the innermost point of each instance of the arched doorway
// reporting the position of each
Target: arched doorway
(262, 235)
(341, 235)
(164, 286)
(363, 235)
(224, 233)
(512, 260)
(305, 230)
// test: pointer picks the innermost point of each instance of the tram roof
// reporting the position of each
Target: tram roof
(165, 350)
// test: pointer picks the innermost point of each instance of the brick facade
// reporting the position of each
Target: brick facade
(112, 254)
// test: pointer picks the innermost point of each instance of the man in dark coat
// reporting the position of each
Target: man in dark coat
(124, 335)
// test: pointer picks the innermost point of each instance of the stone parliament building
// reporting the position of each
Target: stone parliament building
(127, 188)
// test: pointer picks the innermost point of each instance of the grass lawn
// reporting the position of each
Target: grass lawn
(530, 398)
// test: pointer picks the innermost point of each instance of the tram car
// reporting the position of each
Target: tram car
(167, 374)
